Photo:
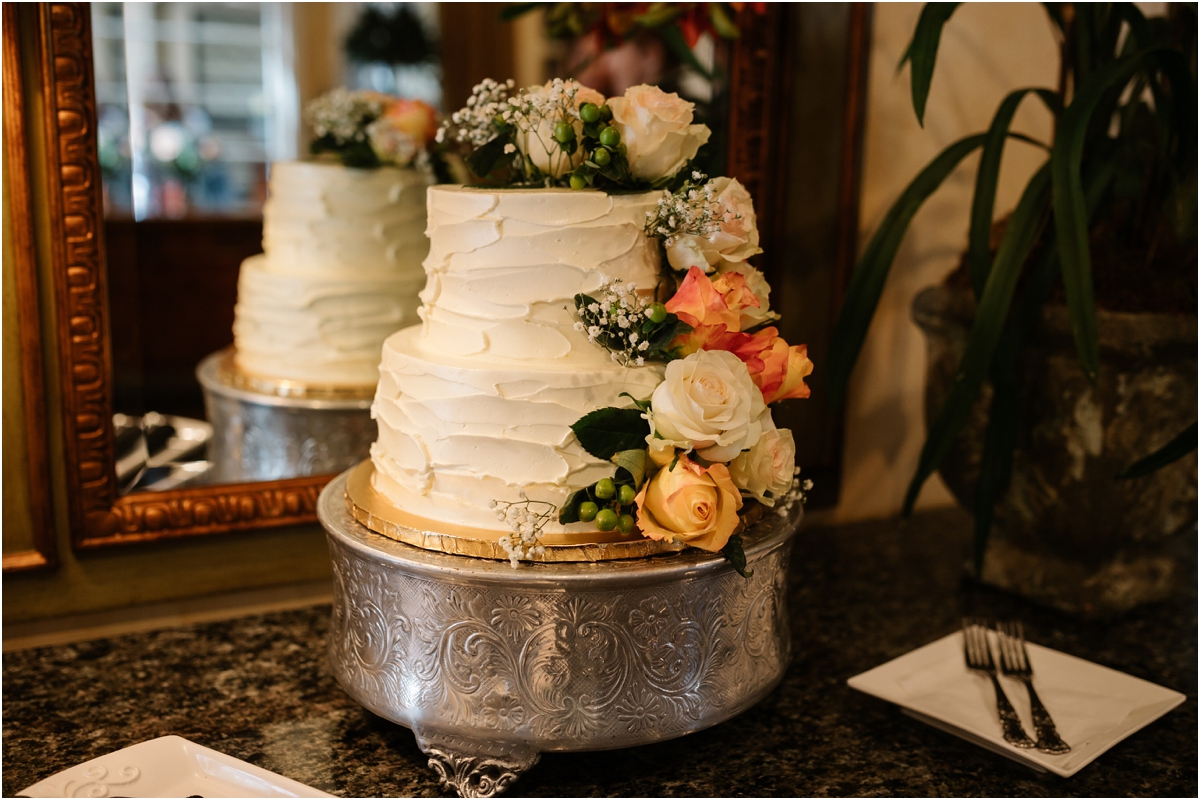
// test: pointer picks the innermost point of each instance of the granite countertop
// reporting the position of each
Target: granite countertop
(260, 689)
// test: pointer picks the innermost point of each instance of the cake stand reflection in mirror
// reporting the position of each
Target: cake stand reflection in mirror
(490, 666)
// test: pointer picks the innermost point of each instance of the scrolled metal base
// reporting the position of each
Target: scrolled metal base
(491, 665)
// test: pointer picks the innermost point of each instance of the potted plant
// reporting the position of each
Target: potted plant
(1063, 350)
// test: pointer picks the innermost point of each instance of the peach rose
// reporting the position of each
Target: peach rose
(766, 470)
(657, 131)
(714, 309)
(540, 145)
(752, 314)
(691, 504)
(777, 369)
(707, 402)
(404, 128)
(735, 239)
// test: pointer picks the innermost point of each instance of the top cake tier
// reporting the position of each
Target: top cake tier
(327, 220)
(504, 267)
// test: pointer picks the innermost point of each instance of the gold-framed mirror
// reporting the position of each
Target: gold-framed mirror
(766, 86)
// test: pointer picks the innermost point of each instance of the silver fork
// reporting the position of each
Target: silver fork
(978, 653)
(1014, 662)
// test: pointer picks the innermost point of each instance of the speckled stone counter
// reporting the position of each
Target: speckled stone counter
(260, 689)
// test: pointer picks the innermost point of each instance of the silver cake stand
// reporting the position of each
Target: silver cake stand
(490, 666)
(284, 431)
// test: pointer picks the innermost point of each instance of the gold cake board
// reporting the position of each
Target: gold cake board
(377, 513)
(229, 373)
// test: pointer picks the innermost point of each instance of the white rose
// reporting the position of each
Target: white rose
(707, 402)
(767, 470)
(657, 131)
(735, 240)
(540, 145)
(756, 282)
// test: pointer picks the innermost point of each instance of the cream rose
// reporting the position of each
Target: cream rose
(691, 504)
(767, 469)
(735, 240)
(707, 402)
(540, 146)
(657, 131)
(756, 282)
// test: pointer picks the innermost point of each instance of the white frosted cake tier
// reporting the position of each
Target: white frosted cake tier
(456, 433)
(340, 271)
(476, 404)
(504, 267)
(318, 330)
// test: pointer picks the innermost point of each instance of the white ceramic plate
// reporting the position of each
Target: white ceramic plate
(1093, 707)
(170, 766)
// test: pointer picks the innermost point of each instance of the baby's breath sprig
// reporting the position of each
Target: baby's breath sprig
(621, 320)
(526, 518)
(797, 494)
(692, 210)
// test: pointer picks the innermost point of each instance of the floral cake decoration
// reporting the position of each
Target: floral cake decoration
(702, 456)
(366, 129)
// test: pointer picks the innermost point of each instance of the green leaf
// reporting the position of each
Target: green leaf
(1070, 211)
(607, 431)
(995, 468)
(1019, 237)
(736, 555)
(979, 256)
(482, 160)
(673, 38)
(1172, 451)
(633, 464)
(922, 52)
(866, 284)
(722, 24)
(570, 509)
(644, 405)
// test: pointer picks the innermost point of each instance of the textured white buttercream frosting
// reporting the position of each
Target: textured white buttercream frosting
(341, 269)
(476, 404)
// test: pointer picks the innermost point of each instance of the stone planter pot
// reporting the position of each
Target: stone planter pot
(1066, 533)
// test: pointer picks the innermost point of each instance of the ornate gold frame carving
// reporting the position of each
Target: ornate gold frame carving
(98, 517)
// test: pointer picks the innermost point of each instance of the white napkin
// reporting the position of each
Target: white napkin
(1093, 707)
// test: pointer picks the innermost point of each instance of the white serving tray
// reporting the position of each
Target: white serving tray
(1093, 707)
(169, 766)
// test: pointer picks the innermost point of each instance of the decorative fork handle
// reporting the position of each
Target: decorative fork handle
(1048, 740)
(1014, 733)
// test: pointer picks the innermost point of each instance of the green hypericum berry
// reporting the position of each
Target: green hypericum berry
(564, 132)
(610, 137)
(606, 520)
(625, 523)
(626, 495)
(601, 157)
(605, 112)
(658, 312)
(605, 488)
(577, 182)
(588, 511)
(589, 112)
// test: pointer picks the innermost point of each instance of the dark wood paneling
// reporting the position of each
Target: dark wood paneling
(173, 287)
(483, 48)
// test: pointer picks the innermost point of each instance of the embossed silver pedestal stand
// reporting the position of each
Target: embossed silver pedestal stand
(261, 436)
(491, 666)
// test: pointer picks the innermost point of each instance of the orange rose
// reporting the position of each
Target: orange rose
(416, 118)
(691, 504)
(776, 369)
(699, 303)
